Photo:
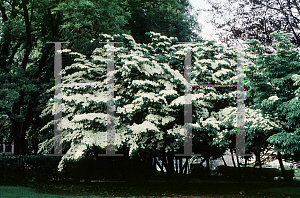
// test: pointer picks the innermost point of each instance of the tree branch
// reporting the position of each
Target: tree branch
(28, 44)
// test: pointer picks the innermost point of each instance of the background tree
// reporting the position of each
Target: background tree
(171, 18)
(256, 19)
(272, 88)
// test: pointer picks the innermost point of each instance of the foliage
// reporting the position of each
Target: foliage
(84, 20)
(171, 18)
(273, 90)
(149, 96)
(262, 17)
(26, 60)
(257, 129)
(27, 169)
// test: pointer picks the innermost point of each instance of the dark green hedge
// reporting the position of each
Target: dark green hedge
(43, 169)
(106, 168)
(22, 169)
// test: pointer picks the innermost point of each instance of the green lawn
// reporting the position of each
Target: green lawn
(155, 188)
(26, 192)
(286, 190)
(198, 188)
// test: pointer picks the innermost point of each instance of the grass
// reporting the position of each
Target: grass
(196, 188)
(26, 192)
(155, 188)
(286, 190)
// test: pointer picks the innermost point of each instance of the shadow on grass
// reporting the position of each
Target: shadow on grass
(153, 187)
(157, 188)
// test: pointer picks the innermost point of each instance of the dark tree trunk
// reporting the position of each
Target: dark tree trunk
(231, 151)
(180, 165)
(7, 41)
(257, 160)
(238, 161)
(170, 165)
(246, 160)
(207, 162)
(154, 164)
(149, 164)
(224, 161)
(20, 143)
(17, 128)
(161, 166)
(176, 160)
(185, 166)
(35, 146)
(281, 165)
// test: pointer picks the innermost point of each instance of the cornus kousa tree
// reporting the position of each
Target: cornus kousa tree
(149, 96)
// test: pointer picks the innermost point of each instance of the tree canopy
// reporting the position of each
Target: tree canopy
(149, 97)
(256, 19)
(27, 60)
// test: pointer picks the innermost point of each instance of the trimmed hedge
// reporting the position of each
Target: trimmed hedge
(22, 169)
(43, 169)
(106, 168)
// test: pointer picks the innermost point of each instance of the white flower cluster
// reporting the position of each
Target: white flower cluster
(64, 50)
(157, 119)
(169, 92)
(144, 82)
(221, 72)
(210, 62)
(74, 153)
(211, 121)
(143, 127)
(273, 98)
(177, 129)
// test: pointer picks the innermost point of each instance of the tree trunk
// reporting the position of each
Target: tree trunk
(154, 164)
(237, 160)
(17, 129)
(185, 166)
(231, 151)
(160, 166)
(176, 161)
(207, 162)
(257, 160)
(281, 165)
(34, 144)
(246, 160)
(20, 146)
(180, 165)
(170, 165)
(224, 161)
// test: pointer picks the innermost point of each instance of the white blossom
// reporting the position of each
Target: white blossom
(273, 98)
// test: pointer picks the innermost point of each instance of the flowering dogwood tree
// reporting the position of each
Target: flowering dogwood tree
(149, 96)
